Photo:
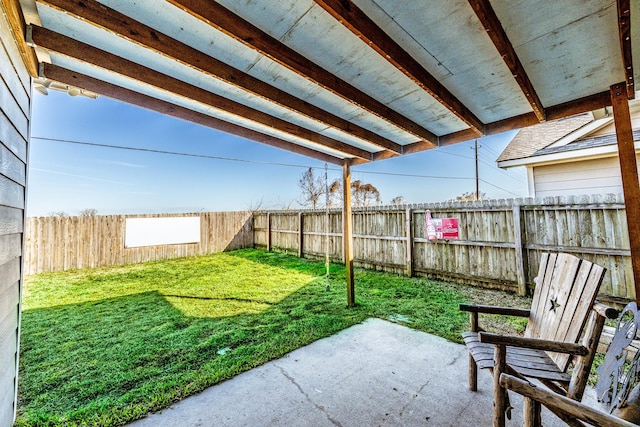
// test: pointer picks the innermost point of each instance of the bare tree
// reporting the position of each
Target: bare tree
(255, 206)
(312, 188)
(398, 200)
(470, 197)
(335, 193)
(361, 194)
(61, 214)
(364, 194)
(88, 212)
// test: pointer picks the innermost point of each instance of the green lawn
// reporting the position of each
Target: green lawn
(106, 346)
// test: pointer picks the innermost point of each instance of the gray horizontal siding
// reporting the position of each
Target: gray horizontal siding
(15, 110)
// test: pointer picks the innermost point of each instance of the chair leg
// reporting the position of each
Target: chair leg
(532, 417)
(499, 393)
(473, 374)
(473, 367)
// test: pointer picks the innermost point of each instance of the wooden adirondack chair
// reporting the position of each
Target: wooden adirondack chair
(564, 297)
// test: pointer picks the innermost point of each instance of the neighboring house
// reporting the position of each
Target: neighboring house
(573, 156)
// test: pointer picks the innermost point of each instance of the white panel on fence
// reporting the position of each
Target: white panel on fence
(161, 231)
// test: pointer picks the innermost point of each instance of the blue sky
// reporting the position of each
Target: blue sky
(71, 177)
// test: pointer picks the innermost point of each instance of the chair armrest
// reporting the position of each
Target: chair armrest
(605, 310)
(561, 403)
(534, 343)
(492, 309)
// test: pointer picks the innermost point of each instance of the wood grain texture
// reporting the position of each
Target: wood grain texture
(487, 16)
(146, 36)
(629, 171)
(349, 15)
(224, 20)
(67, 46)
(564, 404)
(57, 244)
(485, 255)
(134, 98)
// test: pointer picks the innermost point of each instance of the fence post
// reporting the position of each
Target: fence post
(301, 235)
(521, 259)
(409, 229)
(269, 231)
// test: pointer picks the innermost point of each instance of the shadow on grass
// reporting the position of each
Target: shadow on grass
(111, 361)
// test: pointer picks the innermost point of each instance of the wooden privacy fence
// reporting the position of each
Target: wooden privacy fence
(56, 244)
(499, 246)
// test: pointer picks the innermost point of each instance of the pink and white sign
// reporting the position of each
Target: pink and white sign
(446, 228)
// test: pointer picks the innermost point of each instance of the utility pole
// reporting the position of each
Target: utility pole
(477, 175)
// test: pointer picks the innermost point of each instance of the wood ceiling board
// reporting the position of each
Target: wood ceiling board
(463, 56)
(273, 17)
(490, 89)
(181, 26)
(204, 68)
(148, 90)
(109, 42)
(526, 20)
(235, 26)
(569, 49)
(333, 47)
(285, 79)
(388, 19)
(262, 68)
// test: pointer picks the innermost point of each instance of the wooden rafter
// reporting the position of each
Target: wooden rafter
(61, 44)
(109, 90)
(16, 20)
(224, 20)
(126, 27)
(582, 105)
(624, 29)
(629, 172)
(492, 25)
(354, 19)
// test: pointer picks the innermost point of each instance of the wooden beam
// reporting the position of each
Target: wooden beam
(629, 170)
(109, 90)
(498, 36)
(624, 30)
(354, 19)
(222, 19)
(147, 37)
(577, 106)
(63, 45)
(347, 232)
(567, 109)
(16, 20)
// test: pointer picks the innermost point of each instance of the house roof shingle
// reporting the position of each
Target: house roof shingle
(598, 141)
(529, 140)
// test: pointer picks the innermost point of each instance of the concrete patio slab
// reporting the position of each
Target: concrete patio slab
(373, 374)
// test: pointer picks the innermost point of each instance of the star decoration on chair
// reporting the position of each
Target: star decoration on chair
(554, 304)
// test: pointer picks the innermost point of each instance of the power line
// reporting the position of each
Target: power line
(499, 188)
(174, 153)
(413, 175)
(204, 156)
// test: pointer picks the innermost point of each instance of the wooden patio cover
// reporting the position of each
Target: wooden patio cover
(349, 81)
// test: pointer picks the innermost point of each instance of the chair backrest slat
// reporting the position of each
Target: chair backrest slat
(566, 289)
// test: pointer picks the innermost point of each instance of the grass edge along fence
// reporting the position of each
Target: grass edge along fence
(500, 240)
